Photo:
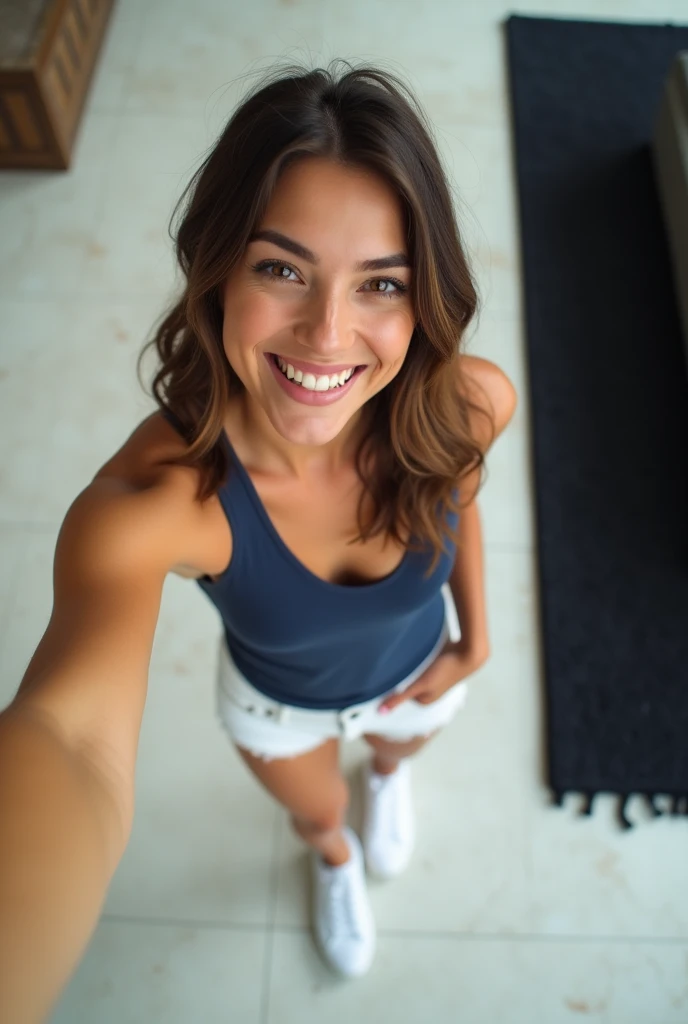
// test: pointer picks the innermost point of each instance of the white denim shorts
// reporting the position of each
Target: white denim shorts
(271, 730)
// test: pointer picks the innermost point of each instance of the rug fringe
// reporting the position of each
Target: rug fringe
(678, 804)
(652, 801)
(624, 821)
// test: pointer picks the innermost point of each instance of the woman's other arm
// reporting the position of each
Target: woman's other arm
(493, 391)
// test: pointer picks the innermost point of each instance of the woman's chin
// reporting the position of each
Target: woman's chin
(308, 430)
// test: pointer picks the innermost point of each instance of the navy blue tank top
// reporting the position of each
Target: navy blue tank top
(311, 643)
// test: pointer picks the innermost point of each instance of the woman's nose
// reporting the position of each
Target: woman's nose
(327, 325)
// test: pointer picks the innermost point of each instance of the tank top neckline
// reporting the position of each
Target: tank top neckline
(289, 554)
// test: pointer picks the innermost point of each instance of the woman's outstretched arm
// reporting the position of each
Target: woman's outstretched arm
(68, 742)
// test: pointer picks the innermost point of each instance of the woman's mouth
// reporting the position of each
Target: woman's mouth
(309, 389)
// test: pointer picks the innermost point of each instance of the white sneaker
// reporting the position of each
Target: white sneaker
(344, 924)
(389, 833)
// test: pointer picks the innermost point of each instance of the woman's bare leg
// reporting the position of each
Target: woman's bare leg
(312, 789)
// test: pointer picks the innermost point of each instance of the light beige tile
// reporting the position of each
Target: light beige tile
(160, 974)
(69, 395)
(152, 162)
(33, 374)
(470, 786)
(115, 63)
(28, 610)
(10, 565)
(589, 877)
(480, 170)
(11, 550)
(444, 51)
(495, 270)
(203, 838)
(185, 65)
(47, 218)
(447, 979)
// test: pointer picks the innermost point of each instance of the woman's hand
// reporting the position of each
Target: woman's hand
(455, 662)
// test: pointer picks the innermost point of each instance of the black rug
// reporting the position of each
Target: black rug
(609, 395)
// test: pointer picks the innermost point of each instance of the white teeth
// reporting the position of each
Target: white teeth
(312, 383)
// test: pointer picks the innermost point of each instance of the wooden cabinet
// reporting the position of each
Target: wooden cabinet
(48, 49)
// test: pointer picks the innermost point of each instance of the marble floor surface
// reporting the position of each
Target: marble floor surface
(511, 911)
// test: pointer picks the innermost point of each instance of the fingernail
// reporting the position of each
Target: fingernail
(384, 709)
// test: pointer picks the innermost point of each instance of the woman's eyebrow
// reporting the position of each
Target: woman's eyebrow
(397, 259)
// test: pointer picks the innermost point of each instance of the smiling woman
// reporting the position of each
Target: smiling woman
(313, 366)
(314, 464)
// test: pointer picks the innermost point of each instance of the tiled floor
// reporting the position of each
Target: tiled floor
(512, 911)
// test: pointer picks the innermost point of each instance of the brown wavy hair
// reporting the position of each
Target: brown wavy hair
(418, 430)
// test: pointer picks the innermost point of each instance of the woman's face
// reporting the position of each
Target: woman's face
(324, 284)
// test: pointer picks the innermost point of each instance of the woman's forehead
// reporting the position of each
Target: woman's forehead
(335, 207)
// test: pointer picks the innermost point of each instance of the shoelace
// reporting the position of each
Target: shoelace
(340, 906)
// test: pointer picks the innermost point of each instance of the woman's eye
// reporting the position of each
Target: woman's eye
(397, 287)
(272, 268)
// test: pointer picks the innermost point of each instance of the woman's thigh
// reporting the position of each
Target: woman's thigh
(310, 786)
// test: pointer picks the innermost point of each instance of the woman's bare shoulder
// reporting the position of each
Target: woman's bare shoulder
(488, 387)
(140, 460)
(140, 466)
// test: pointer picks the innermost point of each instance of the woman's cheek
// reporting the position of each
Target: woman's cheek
(266, 314)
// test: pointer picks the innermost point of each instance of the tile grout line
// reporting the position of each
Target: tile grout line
(524, 938)
(272, 914)
(181, 922)
(534, 937)
(400, 933)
